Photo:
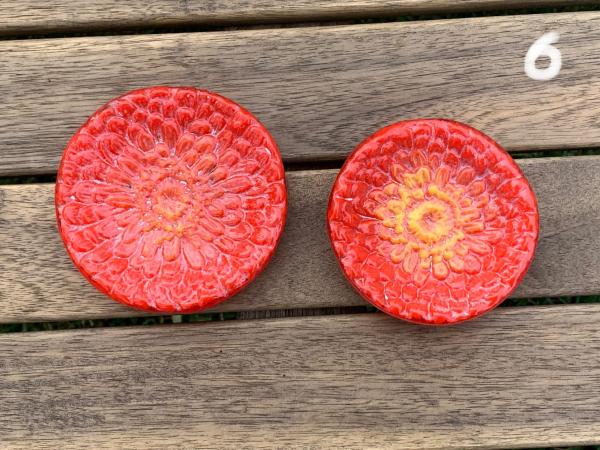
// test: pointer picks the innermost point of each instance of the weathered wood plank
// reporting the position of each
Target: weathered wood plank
(522, 377)
(39, 282)
(319, 90)
(30, 16)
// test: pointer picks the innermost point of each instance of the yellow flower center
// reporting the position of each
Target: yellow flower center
(426, 219)
(430, 221)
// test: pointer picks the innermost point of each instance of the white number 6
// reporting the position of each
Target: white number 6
(543, 47)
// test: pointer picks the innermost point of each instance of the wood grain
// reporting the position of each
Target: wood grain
(30, 16)
(521, 377)
(320, 90)
(39, 282)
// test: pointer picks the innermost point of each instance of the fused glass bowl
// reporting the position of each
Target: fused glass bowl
(171, 199)
(432, 221)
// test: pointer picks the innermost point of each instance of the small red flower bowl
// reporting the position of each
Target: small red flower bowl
(171, 199)
(432, 221)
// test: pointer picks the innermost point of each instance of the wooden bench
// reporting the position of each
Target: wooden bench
(518, 377)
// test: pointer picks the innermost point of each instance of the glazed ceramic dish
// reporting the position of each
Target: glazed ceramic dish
(171, 199)
(432, 221)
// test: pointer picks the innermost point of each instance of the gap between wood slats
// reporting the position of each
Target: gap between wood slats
(320, 90)
(28, 17)
(526, 377)
(40, 284)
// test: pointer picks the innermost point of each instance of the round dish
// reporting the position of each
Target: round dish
(432, 221)
(171, 199)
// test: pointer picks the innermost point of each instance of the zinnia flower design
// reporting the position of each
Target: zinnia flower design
(432, 221)
(171, 199)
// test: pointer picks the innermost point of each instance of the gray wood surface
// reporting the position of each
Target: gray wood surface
(320, 90)
(522, 377)
(31, 16)
(39, 282)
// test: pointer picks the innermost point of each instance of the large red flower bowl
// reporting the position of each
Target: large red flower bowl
(432, 221)
(171, 199)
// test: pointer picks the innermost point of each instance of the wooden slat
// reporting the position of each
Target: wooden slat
(319, 90)
(39, 282)
(522, 377)
(31, 16)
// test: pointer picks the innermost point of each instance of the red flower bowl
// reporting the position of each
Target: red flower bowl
(171, 199)
(432, 221)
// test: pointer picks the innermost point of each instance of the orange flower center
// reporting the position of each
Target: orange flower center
(170, 201)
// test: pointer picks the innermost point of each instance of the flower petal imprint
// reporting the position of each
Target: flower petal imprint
(432, 221)
(171, 199)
